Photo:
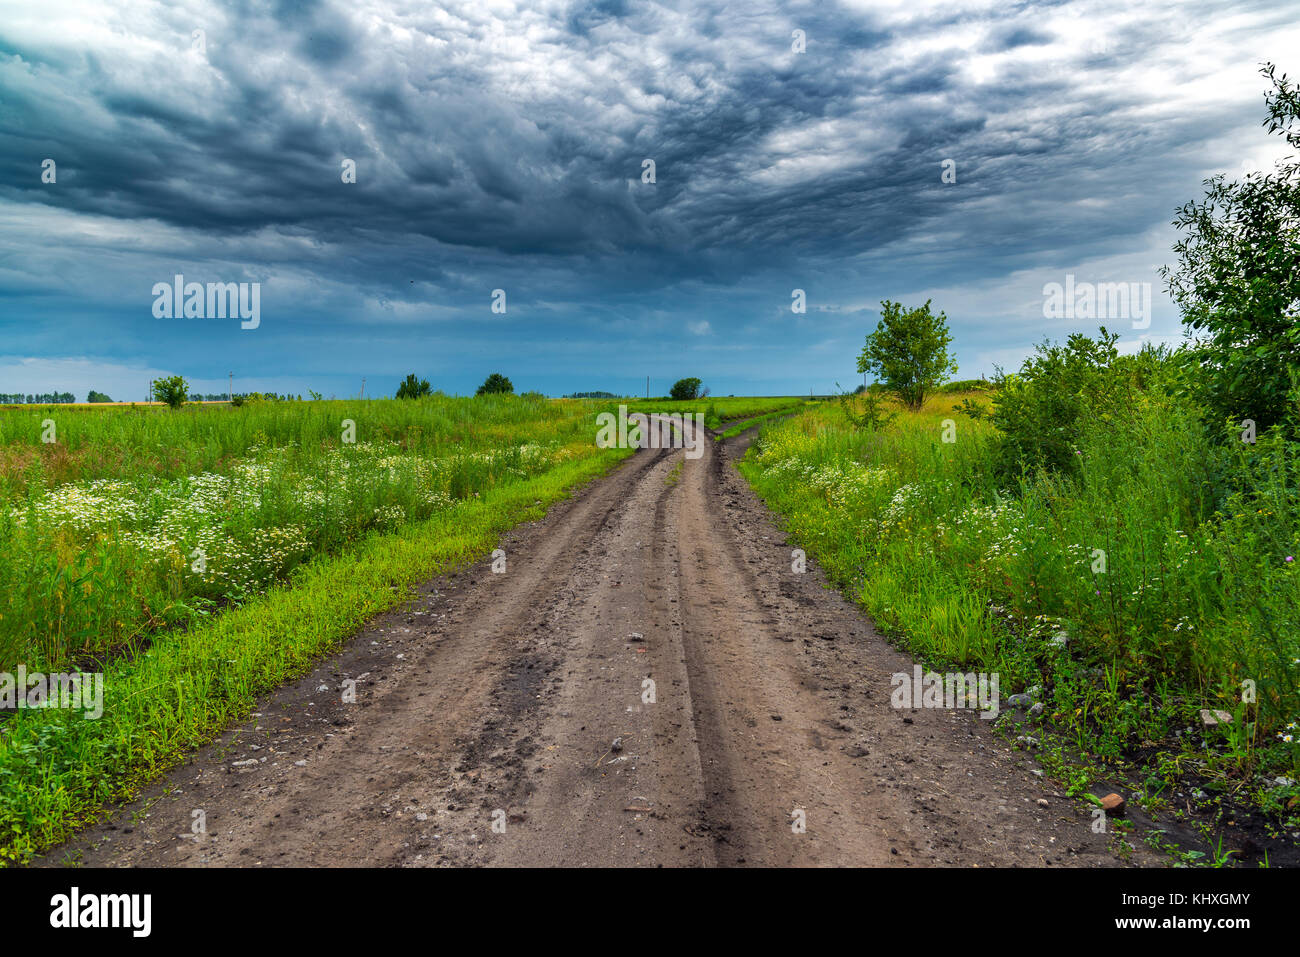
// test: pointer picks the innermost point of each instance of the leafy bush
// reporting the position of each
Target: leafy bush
(413, 388)
(684, 390)
(173, 391)
(1039, 410)
(1043, 410)
(872, 415)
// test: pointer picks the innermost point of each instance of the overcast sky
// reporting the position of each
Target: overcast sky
(501, 146)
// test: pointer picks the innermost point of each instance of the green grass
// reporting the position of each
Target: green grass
(715, 410)
(759, 420)
(137, 522)
(125, 442)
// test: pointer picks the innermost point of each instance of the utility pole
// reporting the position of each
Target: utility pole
(232, 386)
(363, 387)
(647, 387)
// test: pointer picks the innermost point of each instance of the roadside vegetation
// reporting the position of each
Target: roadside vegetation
(1117, 535)
(1155, 579)
(97, 563)
(729, 430)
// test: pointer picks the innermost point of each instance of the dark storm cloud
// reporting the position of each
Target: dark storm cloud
(445, 153)
(1008, 38)
(496, 149)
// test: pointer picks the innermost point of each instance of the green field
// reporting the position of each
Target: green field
(145, 520)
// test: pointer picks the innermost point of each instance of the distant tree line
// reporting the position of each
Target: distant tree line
(45, 398)
(242, 397)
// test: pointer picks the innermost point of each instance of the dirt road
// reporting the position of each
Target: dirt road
(658, 609)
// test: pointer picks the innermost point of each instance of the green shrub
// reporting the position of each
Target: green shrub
(1238, 281)
(908, 352)
(684, 390)
(173, 391)
(1043, 410)
(412, 387)
(495, 384)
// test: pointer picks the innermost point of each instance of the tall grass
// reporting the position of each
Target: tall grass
(126, 442)
(1169, 562)
(141, 520)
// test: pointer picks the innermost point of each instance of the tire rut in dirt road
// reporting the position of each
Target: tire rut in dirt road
(657, 609)
(765, 735)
